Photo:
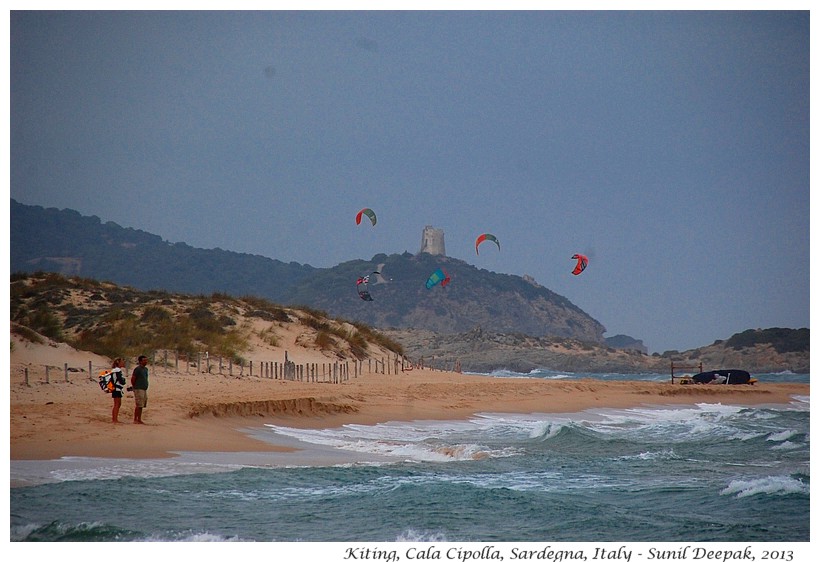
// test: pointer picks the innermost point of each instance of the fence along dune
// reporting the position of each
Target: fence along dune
(324, 371)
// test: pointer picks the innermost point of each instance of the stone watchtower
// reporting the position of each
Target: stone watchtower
(432, 241)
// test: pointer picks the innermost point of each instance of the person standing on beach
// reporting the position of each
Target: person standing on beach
(118, 376)
(139, 383)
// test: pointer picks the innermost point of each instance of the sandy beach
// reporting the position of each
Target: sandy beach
(207, 412)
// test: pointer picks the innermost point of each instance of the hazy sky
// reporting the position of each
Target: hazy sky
(670, 147)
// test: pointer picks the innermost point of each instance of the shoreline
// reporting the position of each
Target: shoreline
(260, 446)
(219, 414)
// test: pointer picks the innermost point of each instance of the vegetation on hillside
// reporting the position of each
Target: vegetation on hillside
(66, 242)
(474, 297)
(783, 340)
(113, 320)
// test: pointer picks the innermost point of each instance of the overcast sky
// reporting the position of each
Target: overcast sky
(672, 148)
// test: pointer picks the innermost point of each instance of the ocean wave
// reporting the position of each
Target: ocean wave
(549, 374)
(787, 446)
(23, 532)
(673, 424)
(80, 532)
(414, 535)
(534, 373)
(782, 435)
(498, 435)
(651, 456)
(505, 373)
(801, 399)
(771, 485)
(420, 442)
(546, 430)
(785, 376)
(193, 536)
(70, 469)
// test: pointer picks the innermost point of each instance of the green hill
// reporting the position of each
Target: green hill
(63, 241)
(473, 298)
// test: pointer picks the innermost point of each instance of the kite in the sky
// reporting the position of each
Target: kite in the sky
(484, 237)
(581, 263)
(438, 276)
(367, 212)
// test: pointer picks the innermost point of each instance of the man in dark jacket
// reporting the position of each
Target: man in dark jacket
(139, 382)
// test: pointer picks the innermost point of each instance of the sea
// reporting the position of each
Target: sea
(680, 475)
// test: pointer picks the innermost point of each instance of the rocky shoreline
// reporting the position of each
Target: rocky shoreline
(481, 351)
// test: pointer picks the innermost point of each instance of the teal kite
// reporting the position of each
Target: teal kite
(438, 276)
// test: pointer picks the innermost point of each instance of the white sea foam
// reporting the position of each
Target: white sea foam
(202, 537)
(769, 485)
(652, 456)
(496, 435)
(800, 402)
(417, 441)
(22, 532)
(414, 535)
(787, 446)
(680, 424)
(782, 435)
(90, 468)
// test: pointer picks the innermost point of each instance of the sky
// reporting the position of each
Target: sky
(670, 147)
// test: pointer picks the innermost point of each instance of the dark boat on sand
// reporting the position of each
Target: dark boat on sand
(721, 376)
